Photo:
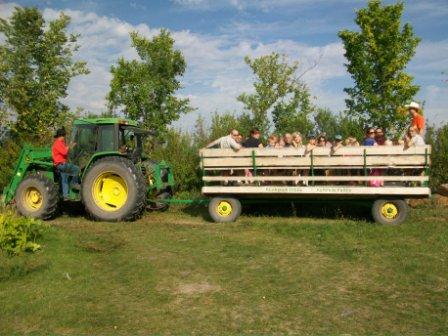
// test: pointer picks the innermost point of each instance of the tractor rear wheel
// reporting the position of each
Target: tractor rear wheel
(37, 196)
(114, 190)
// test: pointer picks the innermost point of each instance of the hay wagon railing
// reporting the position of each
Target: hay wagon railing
(349, 171)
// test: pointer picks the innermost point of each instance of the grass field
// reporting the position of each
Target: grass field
(177, 273)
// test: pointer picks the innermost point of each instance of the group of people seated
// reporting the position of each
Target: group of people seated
(374, 136)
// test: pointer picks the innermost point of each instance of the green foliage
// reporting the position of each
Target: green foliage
(9, 154)
(182, 154)
(146, 88)
(350, 127)
(438, 139)
(326, 122)
(18, 234)
(36, 66)
(278, 90)
(377, 57)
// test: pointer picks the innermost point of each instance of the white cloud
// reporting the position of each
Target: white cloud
(216, 71)
(263, 5)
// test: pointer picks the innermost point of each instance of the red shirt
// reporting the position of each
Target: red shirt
(418, 121)
(59, 152)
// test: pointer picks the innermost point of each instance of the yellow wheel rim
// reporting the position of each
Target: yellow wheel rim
(389, 210)
(110, 191)
(224, 208)
(32, 199)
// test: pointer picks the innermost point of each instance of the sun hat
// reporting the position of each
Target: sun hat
(414, 105)
(338, 137)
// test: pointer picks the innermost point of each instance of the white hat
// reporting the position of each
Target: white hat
(413, 105)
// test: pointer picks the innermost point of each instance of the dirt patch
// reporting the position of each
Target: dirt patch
(437, 201)
(100, 243)
(197, 288)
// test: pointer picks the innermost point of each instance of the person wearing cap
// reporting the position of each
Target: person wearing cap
(337, 143)
(59, 153)
(418, 121)
(312, 143)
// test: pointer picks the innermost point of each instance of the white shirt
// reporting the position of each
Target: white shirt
(225, 142)
(417, 140)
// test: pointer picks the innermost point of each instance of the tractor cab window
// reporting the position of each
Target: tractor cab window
(106, 138)
(85, 137)
(130, 141)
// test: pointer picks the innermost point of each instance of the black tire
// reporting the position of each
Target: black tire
(37, 196)
(390, 212)
(134, 202)
(160, 203)
(219, 211)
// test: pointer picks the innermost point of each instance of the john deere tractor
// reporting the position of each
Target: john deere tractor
(117, 180)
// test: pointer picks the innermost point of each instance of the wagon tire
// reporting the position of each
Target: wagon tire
(390, 212)
(224, 209)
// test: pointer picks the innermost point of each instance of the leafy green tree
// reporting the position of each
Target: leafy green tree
(278, 90)
(377, 56)
(36, 66)
(223, 123)
(326, 122)
(145, 89)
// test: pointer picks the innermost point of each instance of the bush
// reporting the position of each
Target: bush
(9, 154)
(19, 234)
(438, 139)
(182, 154)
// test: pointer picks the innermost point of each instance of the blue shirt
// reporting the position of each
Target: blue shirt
(369, 142)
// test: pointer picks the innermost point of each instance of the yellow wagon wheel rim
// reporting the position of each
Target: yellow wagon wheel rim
(389, 210)
(110, 191)
(33, 198)
(224, 208)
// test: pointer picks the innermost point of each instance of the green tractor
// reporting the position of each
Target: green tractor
(117, 180)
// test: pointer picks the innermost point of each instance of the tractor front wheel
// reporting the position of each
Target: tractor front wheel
(114, 190)
(37, 196)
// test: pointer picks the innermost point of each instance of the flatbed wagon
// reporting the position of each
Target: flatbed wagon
(386, 175)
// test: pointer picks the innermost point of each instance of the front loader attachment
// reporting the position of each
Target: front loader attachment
(30, 158)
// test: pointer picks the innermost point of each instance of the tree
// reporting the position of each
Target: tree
(326, 122)
(146, 88)
(377, 56)
(36, 66)
(278, 90)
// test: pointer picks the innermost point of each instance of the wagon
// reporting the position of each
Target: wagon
(387, 176)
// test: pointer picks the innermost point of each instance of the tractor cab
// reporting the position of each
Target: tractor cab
(106, 135)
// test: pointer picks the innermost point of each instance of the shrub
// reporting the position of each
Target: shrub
(182, 154)
(19, 234)
(438, 139)
(8, 157)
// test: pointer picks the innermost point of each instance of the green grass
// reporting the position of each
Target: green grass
(177, 273)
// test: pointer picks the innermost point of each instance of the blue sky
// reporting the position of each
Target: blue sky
(216, 35)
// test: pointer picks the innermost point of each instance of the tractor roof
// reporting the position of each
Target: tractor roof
(105, 121)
